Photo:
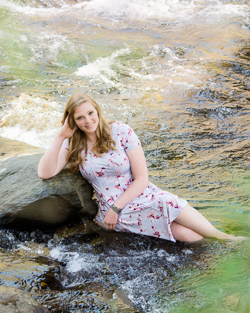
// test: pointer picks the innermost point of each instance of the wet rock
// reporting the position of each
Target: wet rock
(243, 306)
(9, 148)
(85, 230)
(36, 274)
(27, 199)
(7, 241)
(13, 300)
(123, 304)
(214, 310)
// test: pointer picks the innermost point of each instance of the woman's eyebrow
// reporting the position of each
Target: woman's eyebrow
(83, 114)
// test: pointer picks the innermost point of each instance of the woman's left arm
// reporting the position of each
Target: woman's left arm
(140, 182)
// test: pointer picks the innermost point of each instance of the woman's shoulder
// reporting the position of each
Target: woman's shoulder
(119, 126)
(123, 131)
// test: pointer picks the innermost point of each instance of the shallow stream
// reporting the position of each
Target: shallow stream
(177, 71)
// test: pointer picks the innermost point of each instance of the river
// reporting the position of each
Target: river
(177, 71)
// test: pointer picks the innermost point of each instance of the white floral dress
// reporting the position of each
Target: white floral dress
(149, 214)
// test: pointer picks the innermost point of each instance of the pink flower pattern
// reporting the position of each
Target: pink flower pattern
(110, 175)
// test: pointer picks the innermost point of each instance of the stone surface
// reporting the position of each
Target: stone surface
(13, 300)
(214, 310)
(24, 196)
(243, 306)
(9, 148)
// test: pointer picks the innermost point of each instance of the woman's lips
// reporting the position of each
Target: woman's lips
(89, 126)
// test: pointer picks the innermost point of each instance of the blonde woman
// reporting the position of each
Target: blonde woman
(110, 157)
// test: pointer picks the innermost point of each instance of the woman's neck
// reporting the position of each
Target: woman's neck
(91, 140)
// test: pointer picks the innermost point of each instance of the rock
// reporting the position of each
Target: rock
(243, 306)
(214, 310)
(9, 148)
(13, 300)
(122, 303)
(86, 229)
(27, 198)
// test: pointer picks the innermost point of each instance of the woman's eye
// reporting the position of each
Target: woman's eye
(91, 112)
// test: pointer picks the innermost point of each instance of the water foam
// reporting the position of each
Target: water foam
(47, 46)
(31, 137)
(170, 10)
(32, 120)
(101, 69)
(29, 10)
(141, 9)
(116, 71)
(77, 262)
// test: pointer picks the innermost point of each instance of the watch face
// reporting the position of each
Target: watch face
(115, 208)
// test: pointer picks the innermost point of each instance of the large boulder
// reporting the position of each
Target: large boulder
(27, 198)
(13, 300)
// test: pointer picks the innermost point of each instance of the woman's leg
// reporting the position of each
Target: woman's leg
(192, 219)
(184, 234)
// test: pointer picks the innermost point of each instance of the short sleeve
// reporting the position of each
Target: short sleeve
(128, 138)
(66, 144)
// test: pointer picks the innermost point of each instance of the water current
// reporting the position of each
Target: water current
(177, 71)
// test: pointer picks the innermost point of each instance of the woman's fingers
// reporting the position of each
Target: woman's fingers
(66, 131)
(109, 226)
(110, 219)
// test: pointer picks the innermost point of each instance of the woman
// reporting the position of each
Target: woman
(111, 158)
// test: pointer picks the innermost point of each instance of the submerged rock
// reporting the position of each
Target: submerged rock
(35, 202)
(13, 300)
(243, 306)
(214, 310)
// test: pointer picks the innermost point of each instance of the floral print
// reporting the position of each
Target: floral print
(149, 214)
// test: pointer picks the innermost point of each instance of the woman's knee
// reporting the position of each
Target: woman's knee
(184, 234)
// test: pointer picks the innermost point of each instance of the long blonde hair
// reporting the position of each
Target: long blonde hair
(78, 142)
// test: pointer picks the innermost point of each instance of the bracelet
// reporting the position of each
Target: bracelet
(115, 209)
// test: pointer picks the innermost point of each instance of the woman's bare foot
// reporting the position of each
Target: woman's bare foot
(236, 238)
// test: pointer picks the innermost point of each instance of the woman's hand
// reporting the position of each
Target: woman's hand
(110, 219)
(55, 158)
(66, 131)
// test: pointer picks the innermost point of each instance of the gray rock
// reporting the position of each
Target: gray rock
(24, 196)
(13, 300)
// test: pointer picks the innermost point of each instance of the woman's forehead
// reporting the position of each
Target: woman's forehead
(84, 108)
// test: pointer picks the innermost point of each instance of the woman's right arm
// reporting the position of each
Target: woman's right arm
(55, 158)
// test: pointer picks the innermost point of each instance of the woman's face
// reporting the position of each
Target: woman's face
(86, 118)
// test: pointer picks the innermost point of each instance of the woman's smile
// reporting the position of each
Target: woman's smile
(89, 126)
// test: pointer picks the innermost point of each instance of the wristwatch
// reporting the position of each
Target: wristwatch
(115, 209)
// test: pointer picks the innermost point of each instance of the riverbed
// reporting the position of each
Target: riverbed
(178, 73)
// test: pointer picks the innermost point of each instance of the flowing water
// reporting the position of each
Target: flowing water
(178, 72)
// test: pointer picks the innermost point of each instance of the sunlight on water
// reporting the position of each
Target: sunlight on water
(31, 120)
